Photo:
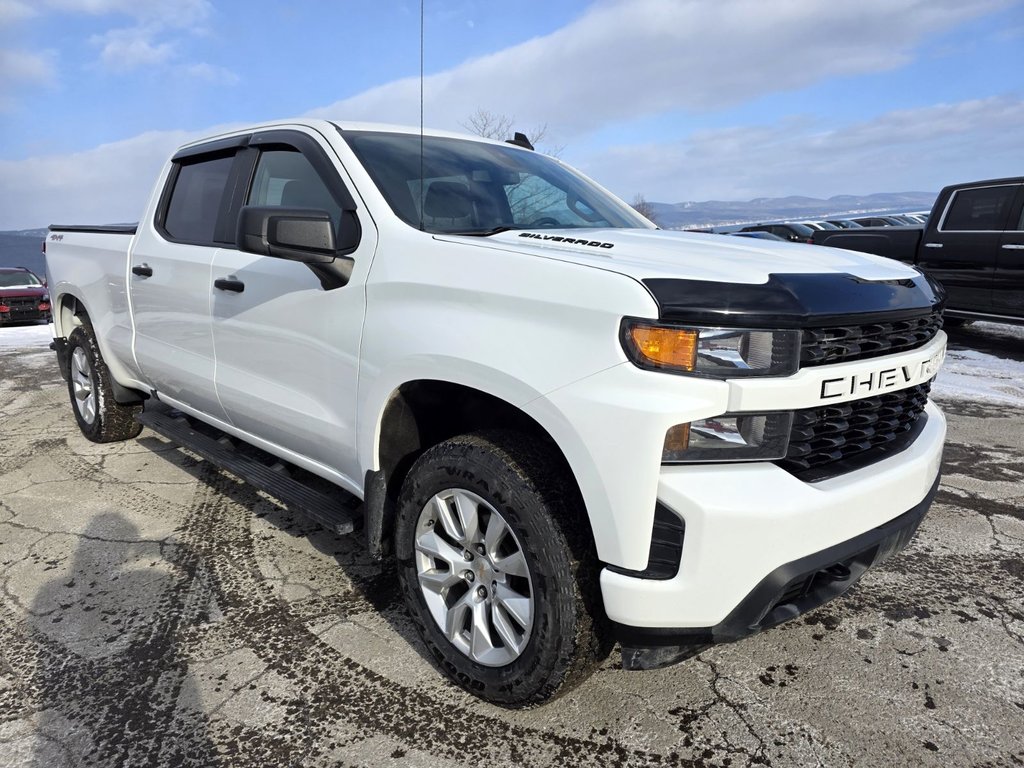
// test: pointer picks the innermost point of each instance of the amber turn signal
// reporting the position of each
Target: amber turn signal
(665, 347)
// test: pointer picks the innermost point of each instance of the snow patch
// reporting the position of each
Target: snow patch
(971, 375)
(25, 336)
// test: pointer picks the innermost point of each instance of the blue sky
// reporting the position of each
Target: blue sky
(673, 99)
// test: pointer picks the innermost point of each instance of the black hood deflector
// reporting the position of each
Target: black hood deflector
(793, 300)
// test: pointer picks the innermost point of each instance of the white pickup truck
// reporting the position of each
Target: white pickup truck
(569, 428)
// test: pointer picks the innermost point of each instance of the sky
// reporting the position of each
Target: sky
(675, 100)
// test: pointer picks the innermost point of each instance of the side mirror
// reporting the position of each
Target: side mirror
(299, 234)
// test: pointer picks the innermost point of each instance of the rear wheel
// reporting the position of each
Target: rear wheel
(100, 417)
(497, 569)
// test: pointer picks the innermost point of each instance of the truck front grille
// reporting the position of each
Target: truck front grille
(828, 441)
(842, 343)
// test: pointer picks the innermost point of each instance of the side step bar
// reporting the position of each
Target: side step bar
(328, 512)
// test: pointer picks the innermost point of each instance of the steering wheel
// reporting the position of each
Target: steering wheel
(545, 222)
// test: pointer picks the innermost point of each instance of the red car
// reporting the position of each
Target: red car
(23, 296)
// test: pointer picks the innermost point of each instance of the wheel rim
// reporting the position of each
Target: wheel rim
(81, 382)
(474, 577)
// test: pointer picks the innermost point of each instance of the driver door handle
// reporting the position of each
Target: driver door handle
(1014, 247)
(230, 283)
(143, 270)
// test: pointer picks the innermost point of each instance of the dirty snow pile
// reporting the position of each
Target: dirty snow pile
(970, 375)
(976, 376)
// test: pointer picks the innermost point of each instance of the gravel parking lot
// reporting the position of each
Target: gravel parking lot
(155, 612)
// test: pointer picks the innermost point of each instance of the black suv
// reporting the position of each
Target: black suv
(23, 296)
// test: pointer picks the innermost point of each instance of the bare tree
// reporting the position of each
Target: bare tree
(529, 199)
(492, 125)
(644, 208)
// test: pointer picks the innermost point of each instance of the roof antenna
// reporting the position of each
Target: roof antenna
(421, 115)
(520, 140)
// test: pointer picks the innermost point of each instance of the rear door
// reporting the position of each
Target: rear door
(287, 347)
(961, 250)
(170, 276)
(1008, 282)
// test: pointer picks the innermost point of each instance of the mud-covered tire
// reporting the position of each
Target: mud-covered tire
(512, 475)
(100, 417)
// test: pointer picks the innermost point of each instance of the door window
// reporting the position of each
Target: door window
(286, 178)
(195, 201)
(979, 210)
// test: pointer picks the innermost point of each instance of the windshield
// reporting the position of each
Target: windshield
(18, 280)
(475, 188)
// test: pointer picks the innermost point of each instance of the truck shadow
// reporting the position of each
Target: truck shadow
(105, 638)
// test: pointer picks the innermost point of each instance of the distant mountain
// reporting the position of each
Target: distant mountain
(719, 213)
(23, 248)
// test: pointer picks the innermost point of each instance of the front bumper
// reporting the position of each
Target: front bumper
(785, 593)
(750, 530)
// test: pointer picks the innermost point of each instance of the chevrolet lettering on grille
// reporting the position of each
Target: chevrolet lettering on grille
(882, 380)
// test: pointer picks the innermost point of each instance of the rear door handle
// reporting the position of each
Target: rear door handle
(143, 270)
(1013, 247)
(230, 283)
(933, 245)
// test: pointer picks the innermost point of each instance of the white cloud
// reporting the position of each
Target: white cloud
(212, 74)
(628, 58)
(110, 183)
(126, 49)
(24, 68)
(909, 150)
(620, 60)
(14, 10)
(142, 45)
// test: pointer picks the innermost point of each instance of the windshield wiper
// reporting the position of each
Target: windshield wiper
(483, 232)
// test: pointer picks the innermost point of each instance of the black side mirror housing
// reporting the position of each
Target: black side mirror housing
(298, 234)
(306, 235)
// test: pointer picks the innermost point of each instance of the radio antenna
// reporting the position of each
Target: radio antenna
(421, 115)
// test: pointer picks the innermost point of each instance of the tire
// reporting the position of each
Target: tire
(955, 322)
(101, 418)
(489, 507)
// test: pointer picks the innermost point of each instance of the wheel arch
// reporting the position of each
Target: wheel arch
(72, 313)
(421, 413)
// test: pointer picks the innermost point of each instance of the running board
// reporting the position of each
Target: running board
(327, 511)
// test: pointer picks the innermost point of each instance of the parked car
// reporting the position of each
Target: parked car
(816, 225)
(973, 244)
(23, 296)
(879, 221)
(566, 428)
(759, 235)
(845, 223)
(795, 233)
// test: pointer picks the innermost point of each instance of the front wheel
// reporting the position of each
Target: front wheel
(497, 569)
(100, 417)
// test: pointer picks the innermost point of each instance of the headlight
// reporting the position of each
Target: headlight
(717, 352)
(731, 437)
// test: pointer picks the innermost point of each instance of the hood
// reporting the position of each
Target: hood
(651, 253)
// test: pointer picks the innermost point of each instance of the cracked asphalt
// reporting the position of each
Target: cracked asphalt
(155, 612)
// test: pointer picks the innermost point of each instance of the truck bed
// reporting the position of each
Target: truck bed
(898, 243)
